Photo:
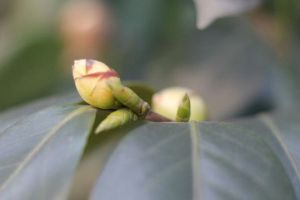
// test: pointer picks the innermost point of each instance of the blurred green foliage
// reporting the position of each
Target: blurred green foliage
(33, 71)
(155, 41)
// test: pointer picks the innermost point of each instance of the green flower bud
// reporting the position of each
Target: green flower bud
(184, 110)
(91, 78)
(129, 98)
(116, 119)
(167, 101)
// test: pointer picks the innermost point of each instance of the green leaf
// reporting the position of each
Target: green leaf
(10, 116)
(98, 151)
(30, 62)
(39, 154)
(227, 64)
(255, 159)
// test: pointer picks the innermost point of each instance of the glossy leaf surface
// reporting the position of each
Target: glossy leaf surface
(39, 154)
(253, 159)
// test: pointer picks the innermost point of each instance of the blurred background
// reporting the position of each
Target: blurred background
(240, 65)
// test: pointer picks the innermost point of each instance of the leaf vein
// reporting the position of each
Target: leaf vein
(40, 145)
(196, 163)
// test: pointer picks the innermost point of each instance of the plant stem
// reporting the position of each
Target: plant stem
(155, 117)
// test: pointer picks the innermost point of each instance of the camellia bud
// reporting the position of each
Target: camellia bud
(91, 78)
(116, 119)
(184, 110)
(167, 103)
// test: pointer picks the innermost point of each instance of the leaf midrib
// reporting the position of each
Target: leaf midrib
(41, 144)
(196, 163)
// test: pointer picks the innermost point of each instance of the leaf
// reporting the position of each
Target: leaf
(39, 154)
(140, 38)
(26, 75)
(210, 10)
(98, 151)
(255, 159)
(227, 64)
(10, 116)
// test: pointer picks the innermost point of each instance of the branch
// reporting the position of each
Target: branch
(155, 117)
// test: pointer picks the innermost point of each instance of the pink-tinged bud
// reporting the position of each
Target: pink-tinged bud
(91, 78)
(166, 102)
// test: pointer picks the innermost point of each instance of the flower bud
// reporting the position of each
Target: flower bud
(116, 119)
(167, 102)
(91, 78)
(184, 110)
(129, 98)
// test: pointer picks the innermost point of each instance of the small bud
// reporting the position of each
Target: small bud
(167, 101)
(184, 110)
(116, 119)
(129, 98)
(91, 78)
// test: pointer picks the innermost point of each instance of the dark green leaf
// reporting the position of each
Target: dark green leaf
(98, 151)
(227, 64)
(10, 116)
(255, 159)
(27, 75)
(39, 154)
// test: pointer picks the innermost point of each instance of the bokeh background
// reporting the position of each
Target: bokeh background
(240, 65)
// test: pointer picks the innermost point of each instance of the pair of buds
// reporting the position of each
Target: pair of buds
(101, 87)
